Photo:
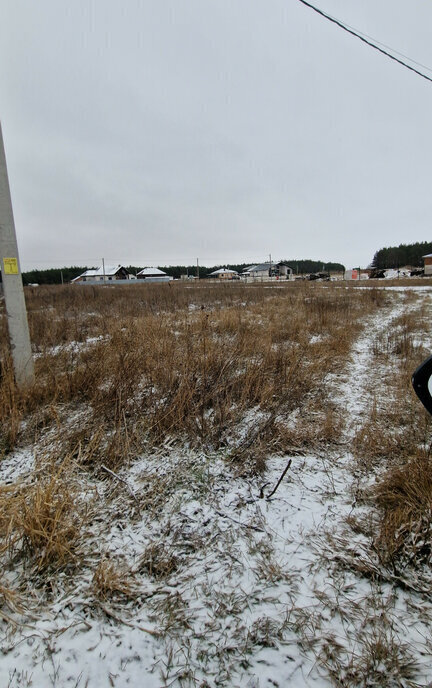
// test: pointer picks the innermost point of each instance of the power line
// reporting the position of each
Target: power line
(389, 47)
(364, 40)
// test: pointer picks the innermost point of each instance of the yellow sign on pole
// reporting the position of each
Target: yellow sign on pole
(10, 266)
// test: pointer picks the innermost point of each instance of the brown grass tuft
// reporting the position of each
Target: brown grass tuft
(158, 561)
(110, 581)
(41, 523)
(404, 497)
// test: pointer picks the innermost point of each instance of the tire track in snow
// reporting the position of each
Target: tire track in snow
(310, 514)
(352, 394)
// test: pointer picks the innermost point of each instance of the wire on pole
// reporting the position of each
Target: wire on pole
(343, 26)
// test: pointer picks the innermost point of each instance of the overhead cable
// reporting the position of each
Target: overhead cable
(364, 40)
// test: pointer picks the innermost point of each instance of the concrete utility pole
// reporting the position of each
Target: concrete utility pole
(12, 283)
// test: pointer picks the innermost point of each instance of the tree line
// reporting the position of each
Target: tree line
(399, 256)
(66, 274)
(389, 257)
(301, 267)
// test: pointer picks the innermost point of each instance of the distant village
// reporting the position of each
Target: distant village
(393, 262)
(268, 271)
(263, 271)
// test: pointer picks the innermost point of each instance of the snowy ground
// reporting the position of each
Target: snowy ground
(224, 585)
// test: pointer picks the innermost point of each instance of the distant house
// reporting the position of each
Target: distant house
(224, 273)
(151, 274)
(246, 272)
(107, 274)
(428, 264)
(267, 270)
(260, 271)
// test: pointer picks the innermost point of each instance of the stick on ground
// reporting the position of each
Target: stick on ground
(280, 479)
(122, 480)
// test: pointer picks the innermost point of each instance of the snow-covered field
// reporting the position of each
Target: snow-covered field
(216, 578)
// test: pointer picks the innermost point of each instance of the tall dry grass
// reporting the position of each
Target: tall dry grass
(120, 367)
(41, 522)
(404, 498)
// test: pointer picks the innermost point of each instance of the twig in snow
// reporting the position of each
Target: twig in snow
(245, 525)
(108, 612)
(122, 480)
(261, 494)
(280, 479)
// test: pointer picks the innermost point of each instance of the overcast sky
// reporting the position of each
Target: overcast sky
(153, 132)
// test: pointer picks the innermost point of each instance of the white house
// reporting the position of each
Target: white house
(224, 273)
(266, 270)
(151, 274)
(107, 274)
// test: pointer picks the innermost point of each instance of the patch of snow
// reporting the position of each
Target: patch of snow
(16, 465)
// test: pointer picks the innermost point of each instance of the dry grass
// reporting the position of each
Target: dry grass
(10, 599)
(10, 405)
(404, 497)
(41, 523)
(378, 660)
(158, 561)
(110, 580)
(120, 370)
(148, 362)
